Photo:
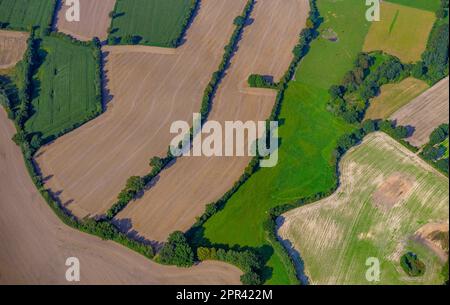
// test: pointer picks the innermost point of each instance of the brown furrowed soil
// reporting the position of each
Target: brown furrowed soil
(94, 19)
(425, 113)
(182, 191)
(148, 91)
(12, 48)
(35, 244)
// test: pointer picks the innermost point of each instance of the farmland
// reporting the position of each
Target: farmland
(392, 34)
(22, 14)
(428, 5)
(387, 197)
(425, 113)
(12, 48)
(157, 23)
(394, 96)
(36, 244)
(94, 19)
(66, 92)
(175, 192)
(147, 92)
(309, 135)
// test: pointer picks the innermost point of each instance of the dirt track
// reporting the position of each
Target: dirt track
(425, 113)
(184, 189)
(148, 92)
(94, 19)
(35, 244)
(12, 48)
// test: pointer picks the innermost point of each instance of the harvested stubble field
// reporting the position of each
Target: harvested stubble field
(395, 96)
(392, 34)
(23, 14)
(35, 244)
(425, 113)
(94, 19)
(12, 48)
(386, 198)
(147, 93)
(182, 191)
(65, 88)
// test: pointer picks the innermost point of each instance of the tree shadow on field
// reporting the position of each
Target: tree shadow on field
(125, 225)
(106, 92)
(183, 34)
(55, 17)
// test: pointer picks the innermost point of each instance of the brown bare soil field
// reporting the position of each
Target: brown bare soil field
(396, 188)
(12, 48)
(425, 113)
(35, 244)
(182, 191)
(148, 92)
(435, 237)
(94, 19)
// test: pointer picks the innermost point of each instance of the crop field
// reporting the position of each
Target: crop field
(36, 244)
(147, 90)
(22, 14)
(387, 199)
(428, 5)
(66, 88)
(393, 33)
(12, 48)
(395, 96)
(425, 113)
(94, 20)
(176, 197)
(309, 135)
(157, 23)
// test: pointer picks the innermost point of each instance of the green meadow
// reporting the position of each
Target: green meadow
(309, 133)
(22, 14)
(65, 88)
(429, 5)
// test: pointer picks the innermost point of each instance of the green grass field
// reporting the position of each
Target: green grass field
(402, 31)
(395, 96)
(157, 22)
(309, 135)
(66, 88)
(429, 5)
(336, 236)
(445, 144)
(22, 14)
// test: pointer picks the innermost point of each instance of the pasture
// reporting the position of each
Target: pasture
(65, 88)
(394, 96)
(387, 199)
(402, 31)
(428, 5)
(156, 23)
(309, 134)
(22, 14)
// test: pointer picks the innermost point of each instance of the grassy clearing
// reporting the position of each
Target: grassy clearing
(445, 144)
(309, 134)
(402, 31)
(157, 22)
(395, 96)
(22, 14)
(428, 5)
(335, 236)
(65, 88)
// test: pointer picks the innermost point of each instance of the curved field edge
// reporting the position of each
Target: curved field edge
(309, 135)
(335, 236)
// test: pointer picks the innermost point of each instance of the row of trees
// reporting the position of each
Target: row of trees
(260, 81)
(176, 251)
(434, 151)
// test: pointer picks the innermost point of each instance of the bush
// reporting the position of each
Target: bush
(259, 81)
(412, 265)
(177, 251)
(439, 134)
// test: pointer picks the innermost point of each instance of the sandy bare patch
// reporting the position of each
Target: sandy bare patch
(425, 113)
(35, 244)
(12, 48)
(183, 190)
(435, 237)
(392, 191)
(147, 93)
(94, 19)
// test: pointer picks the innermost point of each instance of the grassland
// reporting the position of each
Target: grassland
(65, 88)
(428, 5)
(309, 134)
(157, 23)
(395, 96)
(402, 31)
(445, 144)
(22, 14)
(386, 195)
